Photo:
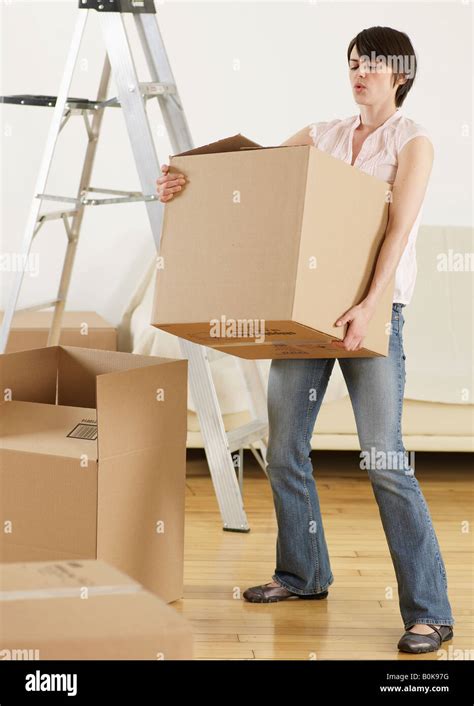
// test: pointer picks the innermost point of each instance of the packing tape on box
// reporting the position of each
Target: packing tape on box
(280, 342)
(69, 592)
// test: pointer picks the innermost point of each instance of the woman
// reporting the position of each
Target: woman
(383, 142)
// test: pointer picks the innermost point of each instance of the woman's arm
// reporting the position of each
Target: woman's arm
(415, 162)
(414, 168)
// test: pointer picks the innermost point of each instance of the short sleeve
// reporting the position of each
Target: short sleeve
(319, 128)
(415, 130)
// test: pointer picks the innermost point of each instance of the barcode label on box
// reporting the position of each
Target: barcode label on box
(84, 431)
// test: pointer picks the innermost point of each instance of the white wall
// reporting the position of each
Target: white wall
(264, 69)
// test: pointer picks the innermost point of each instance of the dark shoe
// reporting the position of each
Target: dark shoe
(270, 594)
(411, 642)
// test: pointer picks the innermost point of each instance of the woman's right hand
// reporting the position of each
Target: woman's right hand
(169, 184)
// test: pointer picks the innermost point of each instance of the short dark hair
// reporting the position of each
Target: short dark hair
(385, 41)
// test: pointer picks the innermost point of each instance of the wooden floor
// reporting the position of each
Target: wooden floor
(360, 619)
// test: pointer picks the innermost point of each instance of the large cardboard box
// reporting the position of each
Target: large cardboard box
(92, 461)
(85, 610)
(85, 329)
(266, 247)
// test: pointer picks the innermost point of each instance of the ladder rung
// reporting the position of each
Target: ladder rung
(247, 433)
(45, 101)
(43, 305)
(97, 190)
(129, 197)
(148, 89)
(50, 102)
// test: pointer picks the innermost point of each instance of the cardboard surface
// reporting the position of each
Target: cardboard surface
(93, 458)
(85, 329)
(49, 429)
(85, 610)
(283, 244)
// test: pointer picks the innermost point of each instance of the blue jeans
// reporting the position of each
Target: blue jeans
(295, 392)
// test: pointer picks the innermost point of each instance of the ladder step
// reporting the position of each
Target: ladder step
(247, 433)
(128, 197)
(148, 89)
(34, 307)
(45, 101)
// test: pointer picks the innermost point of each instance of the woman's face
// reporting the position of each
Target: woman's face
(371, 79)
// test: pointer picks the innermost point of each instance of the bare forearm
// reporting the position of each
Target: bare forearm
(389, 256)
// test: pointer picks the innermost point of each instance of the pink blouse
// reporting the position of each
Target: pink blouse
(378, 156)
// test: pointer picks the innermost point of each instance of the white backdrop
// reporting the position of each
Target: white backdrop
(265, 69)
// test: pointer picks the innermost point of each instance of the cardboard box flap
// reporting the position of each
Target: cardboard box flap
(29, 376)
(79, 368)
(228, 144)
(140, 408)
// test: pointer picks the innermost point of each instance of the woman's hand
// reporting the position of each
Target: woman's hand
(169, 184)
(358, 318)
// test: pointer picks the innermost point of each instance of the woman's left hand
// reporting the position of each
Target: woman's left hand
(358, 318)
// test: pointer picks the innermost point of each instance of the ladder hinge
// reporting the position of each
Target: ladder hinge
(134, 6)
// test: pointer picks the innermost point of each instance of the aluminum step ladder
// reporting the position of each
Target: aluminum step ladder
(224, 450)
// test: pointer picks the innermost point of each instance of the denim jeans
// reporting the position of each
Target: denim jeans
(296, 389)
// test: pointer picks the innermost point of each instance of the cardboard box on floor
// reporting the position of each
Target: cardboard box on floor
(92, 461)
(85, 329)
(75, 609)
(283, 239)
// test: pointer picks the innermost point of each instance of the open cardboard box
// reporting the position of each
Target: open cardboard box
(266, 247)
(93, 461)
(81, 610)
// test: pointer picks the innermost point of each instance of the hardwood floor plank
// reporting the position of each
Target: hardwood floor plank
(358, 620)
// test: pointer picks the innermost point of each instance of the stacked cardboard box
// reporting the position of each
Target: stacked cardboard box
(266, 248)
(85, 329)
(80, 609)
(92, 465)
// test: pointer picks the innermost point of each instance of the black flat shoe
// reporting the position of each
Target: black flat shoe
(412, 642)
(270, 594)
